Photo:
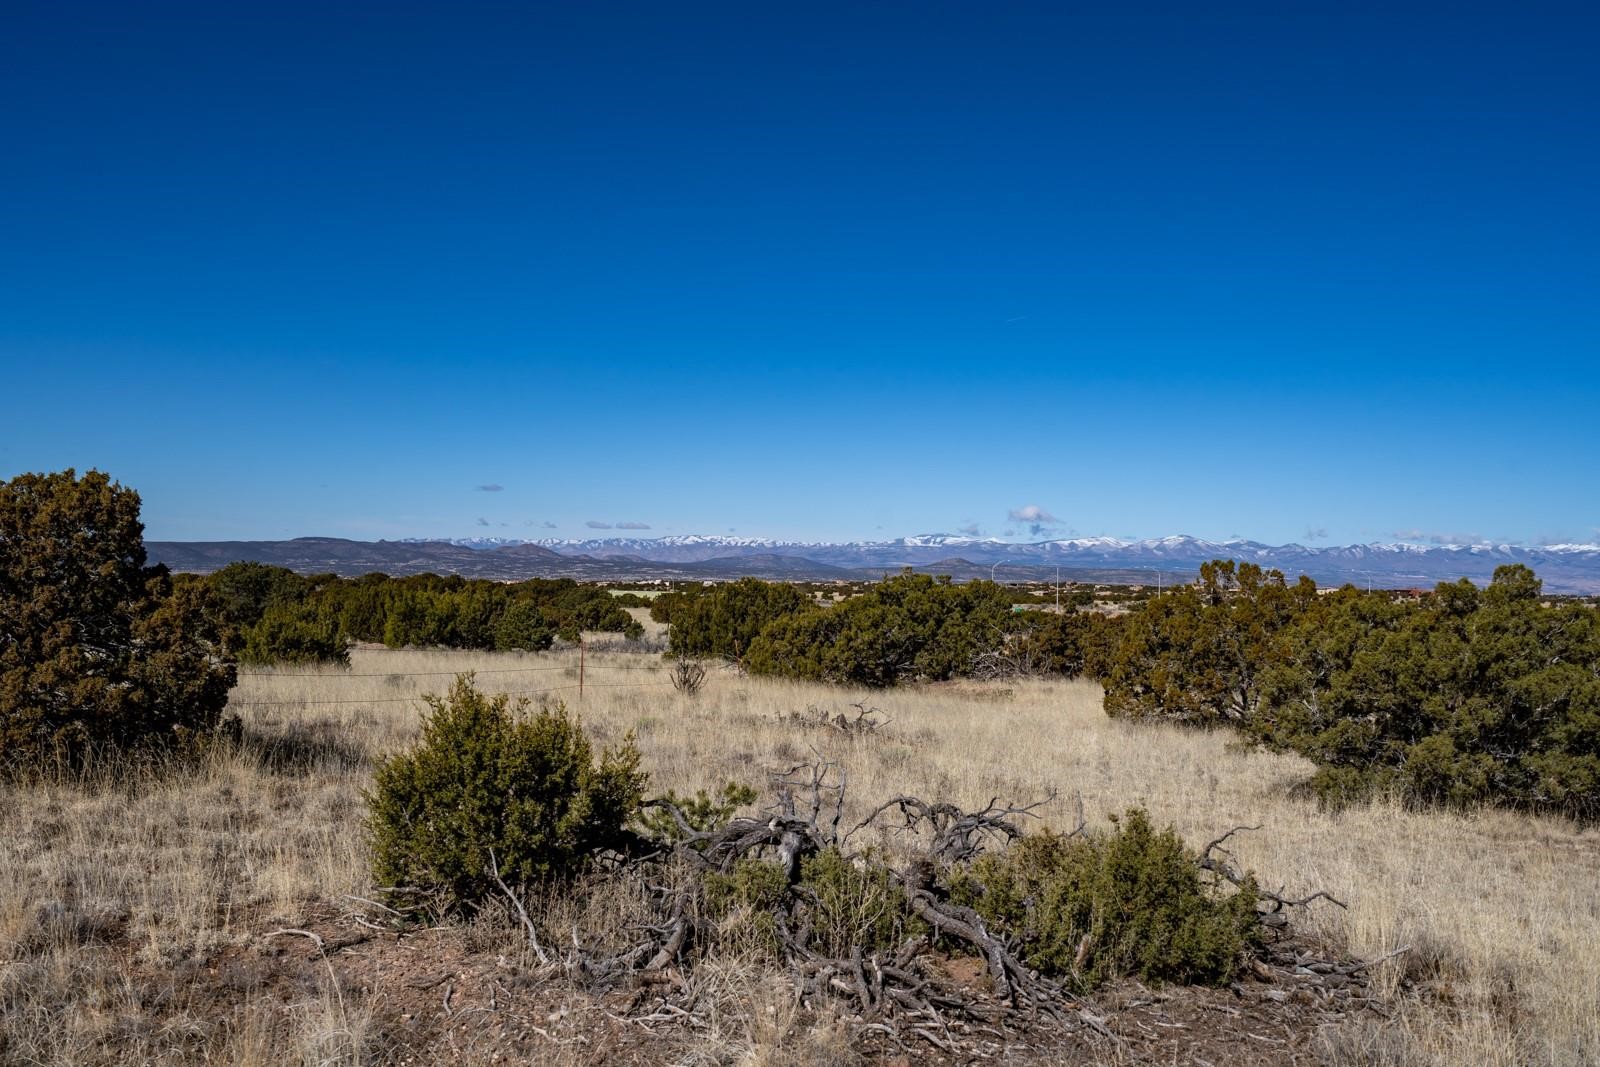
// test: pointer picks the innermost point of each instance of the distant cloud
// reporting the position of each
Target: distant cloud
(1318, 533)
(1436, 538)
(1038, 519)
(548, 525)
(970, 529)
(1033, 513)
(595, 524)
(491, 488)
(633, 526)
(1592, 537)
(482, 521)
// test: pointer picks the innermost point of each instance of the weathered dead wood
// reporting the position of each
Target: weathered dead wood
(900, 994)
(522, 913)
(1213, 857)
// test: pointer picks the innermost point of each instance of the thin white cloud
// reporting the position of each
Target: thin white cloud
(1039, 520)
(633, 526)
(482, 521)
(1433, 537)
(596, 524)
(491, 487)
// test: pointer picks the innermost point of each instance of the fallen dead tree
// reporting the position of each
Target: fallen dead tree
(901, 992)
(804, 822)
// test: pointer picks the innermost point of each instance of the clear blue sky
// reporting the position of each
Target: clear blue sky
(818, 271)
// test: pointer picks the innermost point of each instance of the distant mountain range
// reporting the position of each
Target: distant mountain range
(1565, 568)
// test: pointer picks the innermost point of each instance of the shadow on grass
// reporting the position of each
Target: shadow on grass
(300, 749)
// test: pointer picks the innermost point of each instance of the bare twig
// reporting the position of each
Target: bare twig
(522, 913)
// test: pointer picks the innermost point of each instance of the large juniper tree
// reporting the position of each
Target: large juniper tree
(95, 647)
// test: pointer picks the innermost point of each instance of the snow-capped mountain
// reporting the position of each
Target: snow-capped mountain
(1565, 568)
(464, 542)
(1570, 567)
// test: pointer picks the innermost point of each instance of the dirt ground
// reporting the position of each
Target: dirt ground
(434, 997)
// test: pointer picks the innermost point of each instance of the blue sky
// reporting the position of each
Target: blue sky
(816, 271)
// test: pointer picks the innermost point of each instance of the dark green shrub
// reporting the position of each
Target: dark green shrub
(912, 626)
(246, 590)
(1132, 902)
(1459, 697)
(489, 778)
(842, 907)
(1464, 697)
(523, 626)
(665, 608)
(96, 649)
(1078, 644)
(759, 888)
(725, 619)
(855, 906)
(1201, 653)
(292, 633)
(751, 883)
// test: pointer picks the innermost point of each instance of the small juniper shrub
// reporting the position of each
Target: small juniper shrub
(293, 634)
(748, 898)
(489, 782)
(842, 907)
(703, 812)
(855, 906)
(1131, 902)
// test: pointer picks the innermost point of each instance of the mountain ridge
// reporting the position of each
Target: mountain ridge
(1566, 568)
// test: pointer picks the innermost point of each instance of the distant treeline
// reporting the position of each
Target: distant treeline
(274, 615)
(912, 627)
(1457, 695)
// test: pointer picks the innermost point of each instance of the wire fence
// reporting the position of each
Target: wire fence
(434, 674)
(580, 685)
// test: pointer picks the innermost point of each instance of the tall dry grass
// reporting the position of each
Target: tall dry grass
(1500, 909)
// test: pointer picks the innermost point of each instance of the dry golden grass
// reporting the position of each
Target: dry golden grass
(1500, 908)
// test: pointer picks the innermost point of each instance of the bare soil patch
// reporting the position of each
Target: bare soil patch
(438, 996)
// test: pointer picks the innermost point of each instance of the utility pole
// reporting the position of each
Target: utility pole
(1058, 590)
(580, 668)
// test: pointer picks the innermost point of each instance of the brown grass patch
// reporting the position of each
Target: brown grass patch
(126, 907)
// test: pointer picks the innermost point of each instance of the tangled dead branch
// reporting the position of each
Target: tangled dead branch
(898, 991)
(1218, 860)
(864, 723)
